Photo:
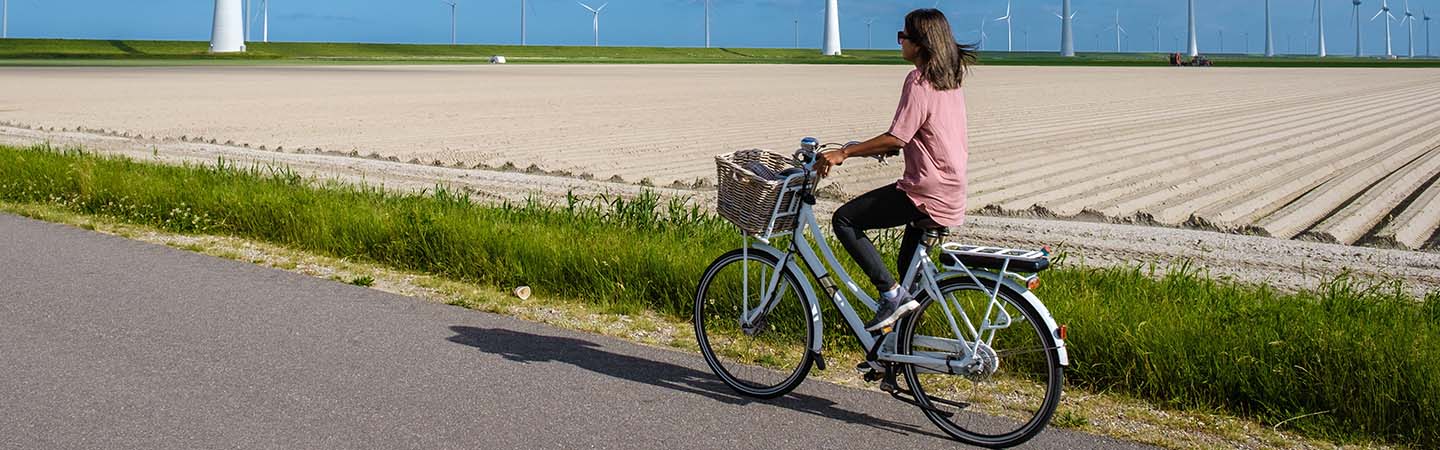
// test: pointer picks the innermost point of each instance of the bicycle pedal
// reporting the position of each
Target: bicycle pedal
(869, 373)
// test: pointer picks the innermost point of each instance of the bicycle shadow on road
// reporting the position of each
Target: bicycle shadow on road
(526, 347)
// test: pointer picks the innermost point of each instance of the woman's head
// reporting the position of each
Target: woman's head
(928, 42)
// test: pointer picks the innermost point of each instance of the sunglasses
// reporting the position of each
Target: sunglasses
(901, 36)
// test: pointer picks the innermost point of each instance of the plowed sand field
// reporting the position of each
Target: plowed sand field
(1348, 156)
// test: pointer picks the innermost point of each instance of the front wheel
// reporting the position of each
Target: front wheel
(1009, 393)
(767, 355)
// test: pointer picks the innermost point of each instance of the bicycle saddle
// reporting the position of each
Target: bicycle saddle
(929, 226)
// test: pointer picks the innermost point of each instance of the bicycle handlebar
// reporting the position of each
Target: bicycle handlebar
(809, 147)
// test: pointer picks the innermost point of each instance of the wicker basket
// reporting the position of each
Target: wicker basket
(750, 187)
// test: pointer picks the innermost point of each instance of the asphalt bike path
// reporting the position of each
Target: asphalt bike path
(111, 343)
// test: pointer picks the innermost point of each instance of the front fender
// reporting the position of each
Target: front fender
(808, 290)
(989, 278)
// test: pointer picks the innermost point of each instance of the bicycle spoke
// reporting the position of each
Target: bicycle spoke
(765, 356)
(1011, 383)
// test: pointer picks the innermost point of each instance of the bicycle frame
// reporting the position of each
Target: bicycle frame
(922, 274)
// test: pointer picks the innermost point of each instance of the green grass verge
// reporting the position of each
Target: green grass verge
(1351, 361)
(126, 52)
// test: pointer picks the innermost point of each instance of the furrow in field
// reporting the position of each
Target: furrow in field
(1418, 222)
(1039, 139)
(1040, 145)
(1320, 202)
(1172, 199)
(1247, 198)
(1366, 211)
(1061, 185)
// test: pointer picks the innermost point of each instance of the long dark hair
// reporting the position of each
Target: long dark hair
(942, 61)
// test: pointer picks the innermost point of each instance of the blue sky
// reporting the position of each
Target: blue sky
(735, 23)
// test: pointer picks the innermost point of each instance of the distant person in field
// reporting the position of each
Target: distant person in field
(930, 127)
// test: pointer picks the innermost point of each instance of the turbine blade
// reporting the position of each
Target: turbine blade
(602, 7)
(1377, 15)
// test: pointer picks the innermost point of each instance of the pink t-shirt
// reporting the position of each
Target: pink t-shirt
(932, 124)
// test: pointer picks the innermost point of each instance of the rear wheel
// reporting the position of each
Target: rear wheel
(1010, 393)
(767, 356)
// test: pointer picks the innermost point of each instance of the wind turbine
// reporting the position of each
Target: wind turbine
(248, 16)
(1157, 35)
(1355, 16)
(1009, 36)
(869, 37)
(265, 21)
(1194, 46)
(595, 12)
(707, 23)
(452, 19)
(1067, 34)
(1269, 33)
(4, 19)
(522, 22)
(982, 34)
(227, 33)
(1118, 30)
(1427, 32)
(1385, 9)
(1319, 18)
(831, 46)
(1409, 17)
(797, 33)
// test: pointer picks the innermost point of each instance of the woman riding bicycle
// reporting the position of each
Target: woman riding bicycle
(930, 127)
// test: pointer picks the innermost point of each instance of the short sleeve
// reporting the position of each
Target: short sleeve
(912, 112)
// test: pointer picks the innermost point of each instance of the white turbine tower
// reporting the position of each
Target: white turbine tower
(452, 19)
(1410, 18)
(1157, 35)
(1355, 17)
(595, 13)
(1427, 32)
(1269, 33)
(1067, 34)
(1118, 30)
(831, 45)
(1194, 44)
(522, 22)
(983, 35)
(869, 43)
(707, 23)
(1009, 36)
(227, 34)
(1319, 18)
(4, 19)
(1385, 9)
(265, 21)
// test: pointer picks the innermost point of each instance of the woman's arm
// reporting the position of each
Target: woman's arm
(878, 145)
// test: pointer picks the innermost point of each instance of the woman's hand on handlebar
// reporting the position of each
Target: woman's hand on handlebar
(826, 159)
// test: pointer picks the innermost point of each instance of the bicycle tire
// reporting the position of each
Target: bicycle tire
(1052, 372)
(710, 328)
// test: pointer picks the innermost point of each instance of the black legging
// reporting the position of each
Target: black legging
(886, 207)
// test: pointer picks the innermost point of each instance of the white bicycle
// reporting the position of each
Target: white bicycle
(981, 357)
